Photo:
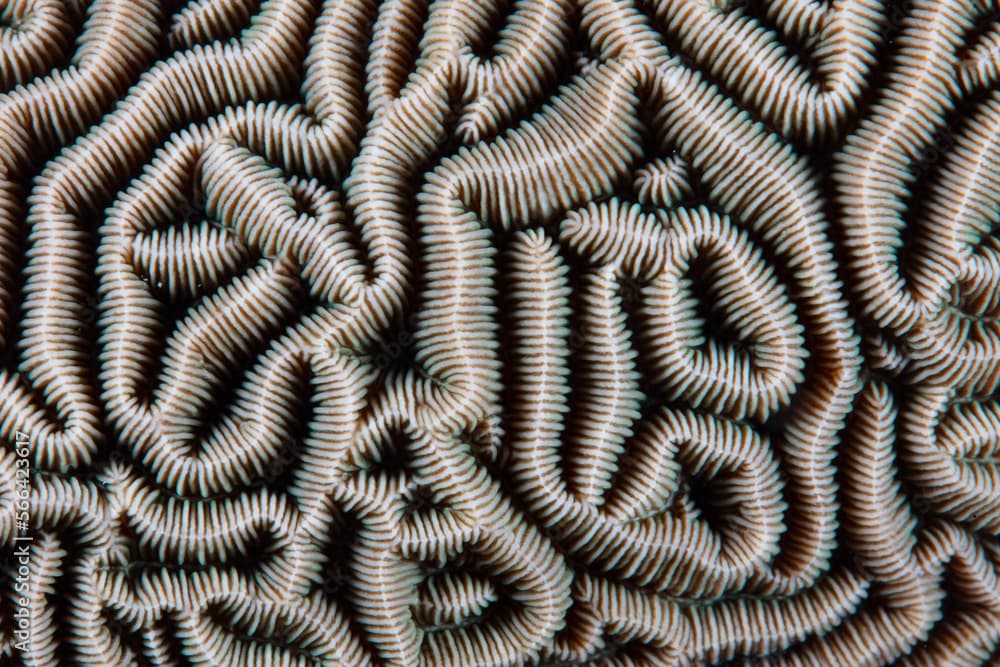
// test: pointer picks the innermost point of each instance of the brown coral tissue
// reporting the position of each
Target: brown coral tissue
(462, 333)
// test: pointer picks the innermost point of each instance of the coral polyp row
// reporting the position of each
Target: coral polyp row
(545, 333)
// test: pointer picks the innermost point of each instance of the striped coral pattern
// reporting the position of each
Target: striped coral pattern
(541, 333)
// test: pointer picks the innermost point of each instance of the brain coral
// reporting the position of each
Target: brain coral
(527, 332)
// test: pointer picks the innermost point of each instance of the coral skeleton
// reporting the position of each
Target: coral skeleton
(542, 333)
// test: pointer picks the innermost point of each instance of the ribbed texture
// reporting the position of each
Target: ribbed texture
(541, 333)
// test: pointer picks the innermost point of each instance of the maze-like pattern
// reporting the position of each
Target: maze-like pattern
(532, 332)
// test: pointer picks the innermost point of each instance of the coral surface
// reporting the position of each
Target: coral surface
(528, 332)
